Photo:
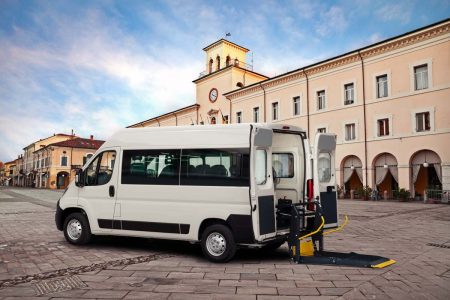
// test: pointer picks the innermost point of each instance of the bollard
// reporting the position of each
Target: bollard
(352, 194)
(385, 195)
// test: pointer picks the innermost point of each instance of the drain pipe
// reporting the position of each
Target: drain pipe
(307, 101)
(364, 116)
(176, 119)
(229, 117)
(264, 91)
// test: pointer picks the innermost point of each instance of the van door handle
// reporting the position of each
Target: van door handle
(111, 191)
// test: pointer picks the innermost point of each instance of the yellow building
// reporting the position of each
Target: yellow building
(9, 172)
(27, 166)
(56, 163)
(387, 103)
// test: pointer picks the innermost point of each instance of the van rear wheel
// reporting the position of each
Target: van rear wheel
(76, 229)
(218, 243)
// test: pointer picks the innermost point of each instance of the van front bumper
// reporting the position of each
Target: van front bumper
(58, 217)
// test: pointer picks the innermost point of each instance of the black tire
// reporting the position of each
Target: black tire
(218, 243)
(81, 224)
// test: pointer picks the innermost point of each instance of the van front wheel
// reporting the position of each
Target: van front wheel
(218, 243)
(76, 229)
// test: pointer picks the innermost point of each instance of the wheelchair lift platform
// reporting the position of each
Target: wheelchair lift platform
(306, 238)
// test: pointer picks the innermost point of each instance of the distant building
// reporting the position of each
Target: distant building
(27, 167)
(56, 163)
(9, 169)
(2, 174)
(388, 103)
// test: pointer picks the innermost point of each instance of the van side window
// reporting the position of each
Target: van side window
(283, 165)
(100, 170)
(156, 167)
(215, 167)
(260, 166)
(324, 167)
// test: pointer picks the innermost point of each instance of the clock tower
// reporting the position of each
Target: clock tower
(226, 69)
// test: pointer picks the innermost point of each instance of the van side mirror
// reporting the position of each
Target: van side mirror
(79, 178)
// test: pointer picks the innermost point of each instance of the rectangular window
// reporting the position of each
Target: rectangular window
(260, 166)
(239, 117)
(382, 86)
(283, 165)
(320, 100)
(324, 167)
(321, 130)
(383, 127)
(296, 103)
(350, 132)
(421, 77)
(256, 114)
(215, 167)
(423, 121)
(155, 167)
(63, 161)
(275, 111)
(349, 94)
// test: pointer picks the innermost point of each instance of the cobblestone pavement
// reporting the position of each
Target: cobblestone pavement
(414, 234)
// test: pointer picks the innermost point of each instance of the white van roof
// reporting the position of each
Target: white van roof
(188, 137)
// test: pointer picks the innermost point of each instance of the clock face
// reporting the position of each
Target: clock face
(213, 93)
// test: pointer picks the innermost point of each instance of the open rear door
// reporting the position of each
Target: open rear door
(262, 190)
(324, 175)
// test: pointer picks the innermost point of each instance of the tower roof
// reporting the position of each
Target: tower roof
(225, 42)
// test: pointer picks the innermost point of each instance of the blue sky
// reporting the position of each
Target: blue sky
(96, 66)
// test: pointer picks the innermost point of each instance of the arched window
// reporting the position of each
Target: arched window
(211, 65)
(236, 62)
(228, 60)
(218, 62)
(213, 120)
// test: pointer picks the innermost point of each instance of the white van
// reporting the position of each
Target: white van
(218, 185)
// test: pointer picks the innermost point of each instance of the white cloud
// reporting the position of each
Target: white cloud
(332, 20)
(395, 12)
(375, 37)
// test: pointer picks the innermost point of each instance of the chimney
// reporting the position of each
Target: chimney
(91, 137)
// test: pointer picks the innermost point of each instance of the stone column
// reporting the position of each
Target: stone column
(445, 176)
(404, 180)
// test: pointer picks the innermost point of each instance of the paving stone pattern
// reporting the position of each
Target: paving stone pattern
(30, 244)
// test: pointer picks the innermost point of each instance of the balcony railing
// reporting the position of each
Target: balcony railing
(236, 63)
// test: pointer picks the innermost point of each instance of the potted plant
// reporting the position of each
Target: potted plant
(364, 192)
(403, 195)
